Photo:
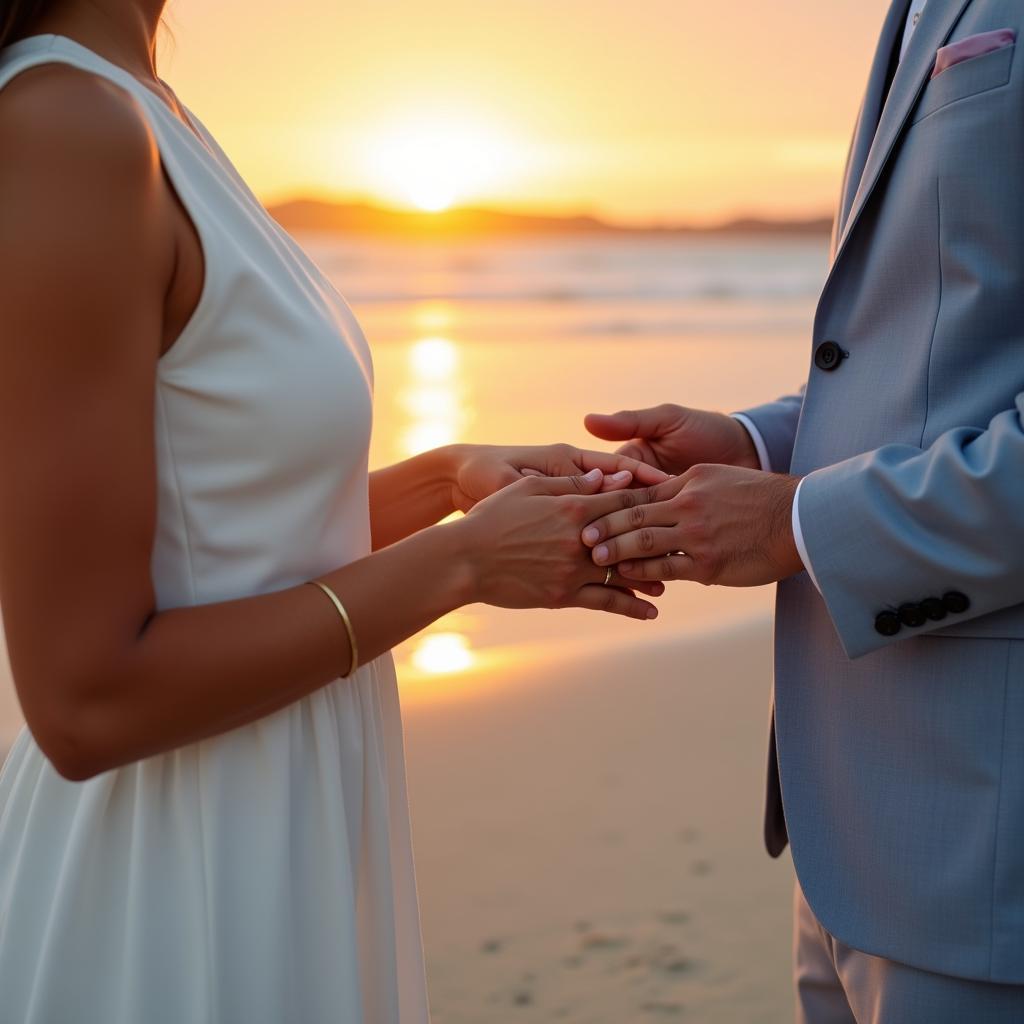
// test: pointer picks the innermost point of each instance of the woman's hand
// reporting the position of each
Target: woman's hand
(713, 525)
(478, 471)
(522, 547)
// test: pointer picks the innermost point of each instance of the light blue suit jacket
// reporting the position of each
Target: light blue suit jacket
(900, 754)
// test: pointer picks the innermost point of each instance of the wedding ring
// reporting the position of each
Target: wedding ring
(608, 576)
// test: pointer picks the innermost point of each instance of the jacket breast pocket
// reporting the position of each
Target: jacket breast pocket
(968, 78)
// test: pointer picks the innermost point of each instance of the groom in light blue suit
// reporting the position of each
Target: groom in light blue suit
(892, 515)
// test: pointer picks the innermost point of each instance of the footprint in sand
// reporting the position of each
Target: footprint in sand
(631, 968)
(600, 940)
(662, 1009)
(674, 917)
(678, 966)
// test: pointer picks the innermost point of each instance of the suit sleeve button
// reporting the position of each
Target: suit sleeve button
(828, 356)
(956, 602)
(934, 609)
(912, 615)
(887, 623)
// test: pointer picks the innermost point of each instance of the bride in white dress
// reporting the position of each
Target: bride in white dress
(204, 820)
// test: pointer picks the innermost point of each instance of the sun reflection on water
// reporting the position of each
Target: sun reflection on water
(434, 400)
(443, 654)
(434, 316)
(434, 359)
(435, 410)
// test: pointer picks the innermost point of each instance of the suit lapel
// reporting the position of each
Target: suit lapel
(871, 107)
(936, 26)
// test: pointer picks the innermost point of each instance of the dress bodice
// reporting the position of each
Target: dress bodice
(263, 402)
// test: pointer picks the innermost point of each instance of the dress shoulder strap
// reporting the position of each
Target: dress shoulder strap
(194, 170)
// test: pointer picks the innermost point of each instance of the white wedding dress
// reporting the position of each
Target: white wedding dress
(263, 876)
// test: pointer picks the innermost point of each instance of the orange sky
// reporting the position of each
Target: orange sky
(634, 109)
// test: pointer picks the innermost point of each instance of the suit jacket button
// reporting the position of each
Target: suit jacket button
(912, 615)
(956, 602)
(934, 609)
(887, 623)
(828, 356)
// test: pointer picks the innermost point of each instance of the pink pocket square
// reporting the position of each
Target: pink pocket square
(973, 46)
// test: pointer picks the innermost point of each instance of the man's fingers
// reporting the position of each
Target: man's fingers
(629, 520)
(600, 505)
(640, 450)
(615, 601)
(630, 423)
(648, 542)
(669, 567)
(618, 426)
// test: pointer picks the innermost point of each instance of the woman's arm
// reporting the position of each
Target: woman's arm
(103, 678)
(194, 672)
(410, 496)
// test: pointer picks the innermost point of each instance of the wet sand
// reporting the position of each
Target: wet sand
(588, 838)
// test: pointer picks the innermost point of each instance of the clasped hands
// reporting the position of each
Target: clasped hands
(555, 520)
(720, 520)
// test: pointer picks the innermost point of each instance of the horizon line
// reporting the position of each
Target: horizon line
(303, 209)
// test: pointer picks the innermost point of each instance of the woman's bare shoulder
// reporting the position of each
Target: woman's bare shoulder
(83, 181)
(57, 111)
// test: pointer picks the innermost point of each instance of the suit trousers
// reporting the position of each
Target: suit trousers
(839, 985)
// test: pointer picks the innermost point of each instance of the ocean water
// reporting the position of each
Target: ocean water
(636, 269)
(514, 341)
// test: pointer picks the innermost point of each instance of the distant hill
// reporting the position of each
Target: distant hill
(366, 220)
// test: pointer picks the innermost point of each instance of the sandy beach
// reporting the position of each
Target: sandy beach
(588, 838)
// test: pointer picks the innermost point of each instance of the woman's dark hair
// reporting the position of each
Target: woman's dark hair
(17, 15)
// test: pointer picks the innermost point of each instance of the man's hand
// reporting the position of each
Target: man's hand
(714, 524)
(674, 438)
(478, 471)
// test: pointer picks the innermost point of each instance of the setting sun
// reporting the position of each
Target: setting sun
(435, 160)
(553, 108)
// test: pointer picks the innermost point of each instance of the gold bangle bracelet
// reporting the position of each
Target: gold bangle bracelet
(348, 625)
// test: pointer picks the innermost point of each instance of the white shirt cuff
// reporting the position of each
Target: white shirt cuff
(766, 466)
(799, 537)
(755, 435)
